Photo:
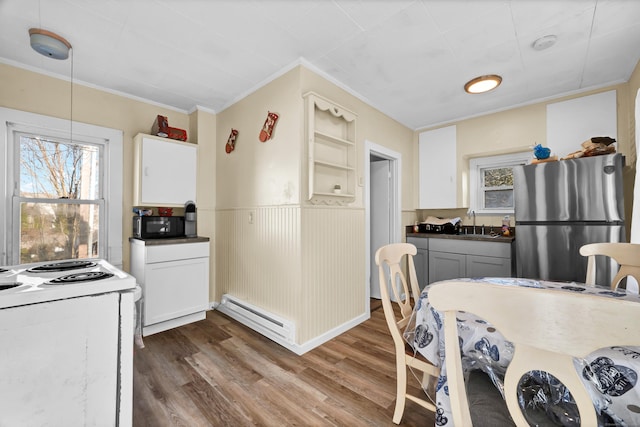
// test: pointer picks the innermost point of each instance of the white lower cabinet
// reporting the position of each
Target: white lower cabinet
(175, 283)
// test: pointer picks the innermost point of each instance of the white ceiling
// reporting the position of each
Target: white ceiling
(407, 58)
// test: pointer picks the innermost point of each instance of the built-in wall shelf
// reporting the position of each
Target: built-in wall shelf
(331, 132)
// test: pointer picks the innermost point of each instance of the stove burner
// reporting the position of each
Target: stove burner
(61, 266)
(4, 286)
(80, 277)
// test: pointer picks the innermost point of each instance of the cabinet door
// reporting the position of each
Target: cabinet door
(486, 266)
(167, 172)
(438, 169)
(445, 265)
(175, 288)
(421, 261)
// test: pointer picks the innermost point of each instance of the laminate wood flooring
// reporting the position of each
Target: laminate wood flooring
(217, 372)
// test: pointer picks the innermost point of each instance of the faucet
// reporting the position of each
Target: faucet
(473, 213)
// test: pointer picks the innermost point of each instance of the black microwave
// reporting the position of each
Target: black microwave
(158, 227)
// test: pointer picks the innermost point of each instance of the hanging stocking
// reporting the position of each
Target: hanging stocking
(231, 142)
(268, 126)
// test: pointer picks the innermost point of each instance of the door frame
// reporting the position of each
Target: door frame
(395, 214)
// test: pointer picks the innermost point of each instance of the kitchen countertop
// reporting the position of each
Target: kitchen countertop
(476, 237)
(171, 240)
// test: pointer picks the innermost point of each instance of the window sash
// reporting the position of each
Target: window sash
(18, 199)
(477, 188)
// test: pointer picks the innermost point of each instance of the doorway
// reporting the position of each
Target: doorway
(382, 208)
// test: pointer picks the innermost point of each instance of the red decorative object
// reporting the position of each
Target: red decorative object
(165, 211)
(269, 124)
(161, 128)
(231, 142)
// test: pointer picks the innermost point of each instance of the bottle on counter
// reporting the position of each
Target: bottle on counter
(415, 227)
(506, 223)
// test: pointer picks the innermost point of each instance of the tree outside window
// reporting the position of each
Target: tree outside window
(59, 199)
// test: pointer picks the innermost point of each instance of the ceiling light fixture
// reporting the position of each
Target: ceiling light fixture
(483, 83)
(49, 44)
(544, 42)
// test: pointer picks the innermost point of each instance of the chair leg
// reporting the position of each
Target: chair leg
(401, 391)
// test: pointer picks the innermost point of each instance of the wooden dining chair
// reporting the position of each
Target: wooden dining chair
(390, 259)
(541, 324)
(627, 255)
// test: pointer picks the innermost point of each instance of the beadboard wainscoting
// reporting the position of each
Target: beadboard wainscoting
(304, 264)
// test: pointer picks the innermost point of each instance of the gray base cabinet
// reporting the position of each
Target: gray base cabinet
(449, 258)
(445, 265)
(421, 260)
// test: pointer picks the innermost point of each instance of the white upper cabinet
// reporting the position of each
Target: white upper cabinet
(331, 137)
(164, 171)
(572, 122)
(438, 169)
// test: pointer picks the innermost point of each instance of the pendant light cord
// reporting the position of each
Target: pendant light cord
(71, 102)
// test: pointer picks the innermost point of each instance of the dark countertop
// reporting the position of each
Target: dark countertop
(476, 237)
(171, 241)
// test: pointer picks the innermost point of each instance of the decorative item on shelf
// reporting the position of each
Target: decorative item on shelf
(143, 212)
(269, 124)
(165, 211)
(337, 189)
(231, 142)
(161, 128)
(595, 146)
(543, 154)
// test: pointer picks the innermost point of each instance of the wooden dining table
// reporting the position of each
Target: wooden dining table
(616, 394)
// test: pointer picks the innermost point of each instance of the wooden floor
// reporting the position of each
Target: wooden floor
(217, 372)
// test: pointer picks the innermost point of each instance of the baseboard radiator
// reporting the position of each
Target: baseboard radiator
(271, 326)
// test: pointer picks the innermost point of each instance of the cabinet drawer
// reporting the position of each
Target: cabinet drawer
(419, 242)
(165, 253)
(471, 247)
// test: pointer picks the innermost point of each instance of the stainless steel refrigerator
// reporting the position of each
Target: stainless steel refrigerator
(560, 206)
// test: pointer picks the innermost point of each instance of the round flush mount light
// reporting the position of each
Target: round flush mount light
(49, 44)
(544, 42)
(483, 83)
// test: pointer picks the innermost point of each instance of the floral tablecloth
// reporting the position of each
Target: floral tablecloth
(611, 373)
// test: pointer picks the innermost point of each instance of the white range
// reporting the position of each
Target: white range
(66, 344)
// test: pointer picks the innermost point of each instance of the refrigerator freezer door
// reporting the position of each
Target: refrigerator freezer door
(585, 189)
(551, 252)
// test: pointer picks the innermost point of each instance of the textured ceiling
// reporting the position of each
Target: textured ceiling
(407, 58)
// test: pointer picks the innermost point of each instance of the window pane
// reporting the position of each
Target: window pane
(498, 199)
(54, 231)
(55, 170)
(499, 177)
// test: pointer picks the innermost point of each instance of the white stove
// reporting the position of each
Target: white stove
(66, 330)
(49, 281)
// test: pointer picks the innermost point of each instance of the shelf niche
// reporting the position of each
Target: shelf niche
(331, 135)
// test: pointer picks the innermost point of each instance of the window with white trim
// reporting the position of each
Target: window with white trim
(491, 182)
(58, 198)
(61, 191)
